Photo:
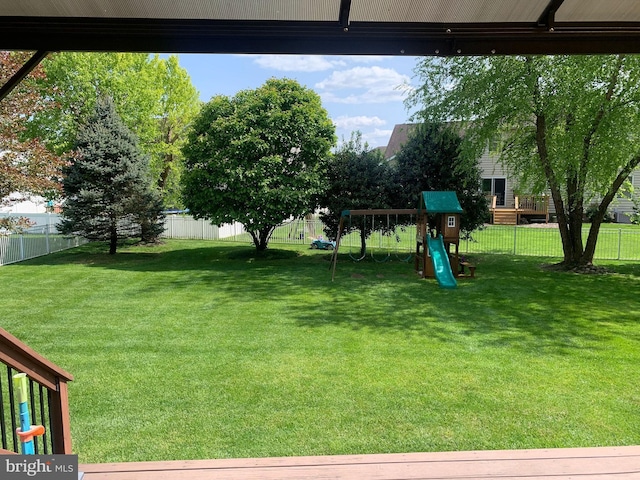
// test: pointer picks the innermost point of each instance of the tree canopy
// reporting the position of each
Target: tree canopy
(258, 157)
(26, 166)
(569, 124)
(358, 178)
(153, 96)
(431, 160)
(107, 186)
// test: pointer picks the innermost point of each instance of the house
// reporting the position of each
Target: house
(21, 203)
(507, 207)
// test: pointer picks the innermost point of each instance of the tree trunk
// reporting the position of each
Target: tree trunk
(592, 239)
(261, 238)
(363, 243)
(576, 189)
(564, 219)
(113, 239)
(162, 181)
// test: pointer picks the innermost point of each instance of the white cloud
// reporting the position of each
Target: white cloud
(355, 123)
(299, 63)
(377, 138)
(311, 63)
(364, 85)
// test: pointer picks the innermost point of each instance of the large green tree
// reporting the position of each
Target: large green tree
(153, 96)
(258, 157)
(108, 191)
(431, 160)
(359, 178)
(26, 166)
(570, 124)
(179, 104)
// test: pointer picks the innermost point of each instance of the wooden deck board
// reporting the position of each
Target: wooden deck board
(548, 464)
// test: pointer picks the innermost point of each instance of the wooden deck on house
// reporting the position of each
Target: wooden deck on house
(609, 463)
(533, 206)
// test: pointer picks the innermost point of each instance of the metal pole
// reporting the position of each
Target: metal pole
(47, 239)
(619, 242)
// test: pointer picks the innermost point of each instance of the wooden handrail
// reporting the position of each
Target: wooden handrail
(535, 203)
(22, 358)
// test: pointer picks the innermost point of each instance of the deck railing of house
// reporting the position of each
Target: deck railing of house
(523, 205)
(48, 398)
(532, 203)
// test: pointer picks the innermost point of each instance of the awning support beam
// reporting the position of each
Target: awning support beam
(25, 70)
(345, 11)
(548, 18)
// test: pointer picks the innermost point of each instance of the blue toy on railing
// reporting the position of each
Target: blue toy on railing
(26, 432)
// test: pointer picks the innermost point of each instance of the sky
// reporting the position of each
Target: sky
(364, 93)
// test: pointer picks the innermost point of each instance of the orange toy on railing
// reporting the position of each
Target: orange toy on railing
(26, 432)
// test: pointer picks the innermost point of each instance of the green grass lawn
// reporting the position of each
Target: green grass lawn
(200, 349)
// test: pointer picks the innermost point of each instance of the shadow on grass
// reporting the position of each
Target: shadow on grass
(512, 303)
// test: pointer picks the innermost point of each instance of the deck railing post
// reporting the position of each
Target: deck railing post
(60, 419)
(18, 357)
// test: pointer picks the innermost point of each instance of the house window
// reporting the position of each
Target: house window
(497, 187)
(486, 186)
(451, 221)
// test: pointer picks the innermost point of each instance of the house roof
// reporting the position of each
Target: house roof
(440, 202)
(398, 138)
(385, 27)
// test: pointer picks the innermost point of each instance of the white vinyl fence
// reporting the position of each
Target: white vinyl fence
(35, 242)
(184, 226)
(298, 231)
(613, 243)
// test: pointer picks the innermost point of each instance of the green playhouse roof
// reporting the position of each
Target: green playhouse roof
(440, 202)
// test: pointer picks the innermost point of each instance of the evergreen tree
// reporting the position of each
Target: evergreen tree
(358, 179)
(107, 186)
(431, 161)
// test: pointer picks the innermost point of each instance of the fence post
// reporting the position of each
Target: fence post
(21, 247)
(46, 232)
(619, 243)
(515, 239)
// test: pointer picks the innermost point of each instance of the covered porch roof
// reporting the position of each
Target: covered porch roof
(375, 27)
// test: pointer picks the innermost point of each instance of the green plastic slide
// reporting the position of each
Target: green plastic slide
(441, 266)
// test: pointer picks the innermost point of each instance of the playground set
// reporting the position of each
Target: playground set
(437, 236)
